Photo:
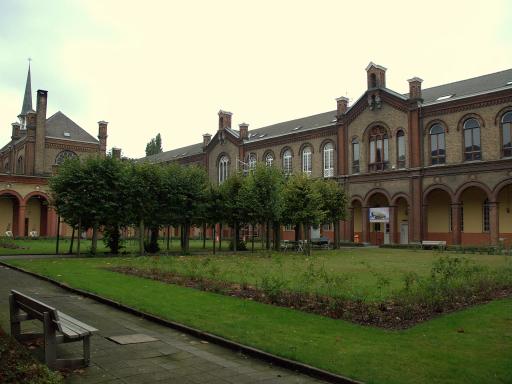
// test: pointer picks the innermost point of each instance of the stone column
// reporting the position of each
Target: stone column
(456, 224)
(21, 220)
(424, 223)
(393, 224)
(494, 225)
(365, 225)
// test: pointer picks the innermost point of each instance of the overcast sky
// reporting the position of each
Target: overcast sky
(168, 66)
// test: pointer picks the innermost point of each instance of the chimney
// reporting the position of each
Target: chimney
(31, 123)
(102, 136)
(206, 139)
(341, 106)
(244, 131)
(116, 153)
(415, 88)
(224, 119)
(15, 131)
(376, 76)
(42, 98)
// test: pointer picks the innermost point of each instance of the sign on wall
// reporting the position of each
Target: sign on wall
(378, 215)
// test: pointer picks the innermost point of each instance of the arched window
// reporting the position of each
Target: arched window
(472, 140)
(437, 145)
(379, 145)
(20, 165)
(6, 166)
(269, 159)
(287, 162)
(485, 216)
(223, 169)
(306, 161)
(506, 130)
(252, 161)
(328, 160)
(400, 149)
(355, 156)
(63, 156)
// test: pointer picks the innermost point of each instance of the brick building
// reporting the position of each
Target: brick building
(38, 144)
(436, 161)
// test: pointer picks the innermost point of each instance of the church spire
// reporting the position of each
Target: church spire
(27, 99)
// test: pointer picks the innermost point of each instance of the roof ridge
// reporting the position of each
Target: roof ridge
(468, 79)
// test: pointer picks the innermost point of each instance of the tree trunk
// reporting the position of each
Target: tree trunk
(252, 238)
(213, 239)
(297, 232)
(141, 237)
(235, 237)
(72, 241)
(186, 236)
(79, 237)
(277, 236)
(94, 243)
(204, 235)
(267, 235)
(220, 236)
(336, 234)
(168, 236)
(153, 240)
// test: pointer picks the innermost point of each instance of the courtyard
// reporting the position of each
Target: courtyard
(471, 345)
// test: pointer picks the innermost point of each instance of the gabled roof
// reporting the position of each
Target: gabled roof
(174, 154)
(60, 126)
(480, 84)
(485, 83)
(293, 126)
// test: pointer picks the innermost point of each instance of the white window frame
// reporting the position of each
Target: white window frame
(328, 160)
(269, 160)
(287, 162)
(307, 160)
(223, 169)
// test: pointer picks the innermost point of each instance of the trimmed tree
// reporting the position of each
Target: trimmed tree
(334, 205)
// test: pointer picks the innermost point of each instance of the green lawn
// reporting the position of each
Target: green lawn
(48, 246)
(368, 272)
(470, 346)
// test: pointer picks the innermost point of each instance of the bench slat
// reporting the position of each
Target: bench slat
(30, 305)
(75, 324)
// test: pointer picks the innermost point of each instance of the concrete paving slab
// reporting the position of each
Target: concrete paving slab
(170, 359)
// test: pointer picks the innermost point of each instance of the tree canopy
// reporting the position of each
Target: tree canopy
(154, 146)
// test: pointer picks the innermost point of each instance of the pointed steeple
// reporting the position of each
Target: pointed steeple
(27, 99)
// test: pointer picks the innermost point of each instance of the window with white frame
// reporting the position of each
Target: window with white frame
(269, 159)
(506, 131)
(306, 161)
(355, 156)
(287, 162)
(328, 160)
(400, 145)
(252, 161)
(223, 169)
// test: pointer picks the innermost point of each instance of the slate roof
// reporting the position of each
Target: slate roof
(58, 124)
(27, 98)
(174, 154)
(480, 84)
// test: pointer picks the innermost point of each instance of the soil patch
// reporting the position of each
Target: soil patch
(387, 314)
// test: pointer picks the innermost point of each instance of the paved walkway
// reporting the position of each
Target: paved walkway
(174, 358)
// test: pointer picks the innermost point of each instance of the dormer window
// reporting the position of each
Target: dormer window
(67, 134)
(445, 97)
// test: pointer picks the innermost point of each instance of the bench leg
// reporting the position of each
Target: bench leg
(50, 342)
(87, 350)
(15, 323)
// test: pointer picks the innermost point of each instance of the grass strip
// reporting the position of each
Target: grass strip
(470, 346)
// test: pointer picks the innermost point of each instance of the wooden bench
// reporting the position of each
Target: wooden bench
(433, 244)
(321, 242)
(57, 328)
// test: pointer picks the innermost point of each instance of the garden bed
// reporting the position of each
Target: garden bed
(431, 297)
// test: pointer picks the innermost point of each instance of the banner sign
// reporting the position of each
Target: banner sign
(378, 215)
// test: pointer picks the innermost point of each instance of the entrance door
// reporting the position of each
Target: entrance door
(404, 233)
(315, 232)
